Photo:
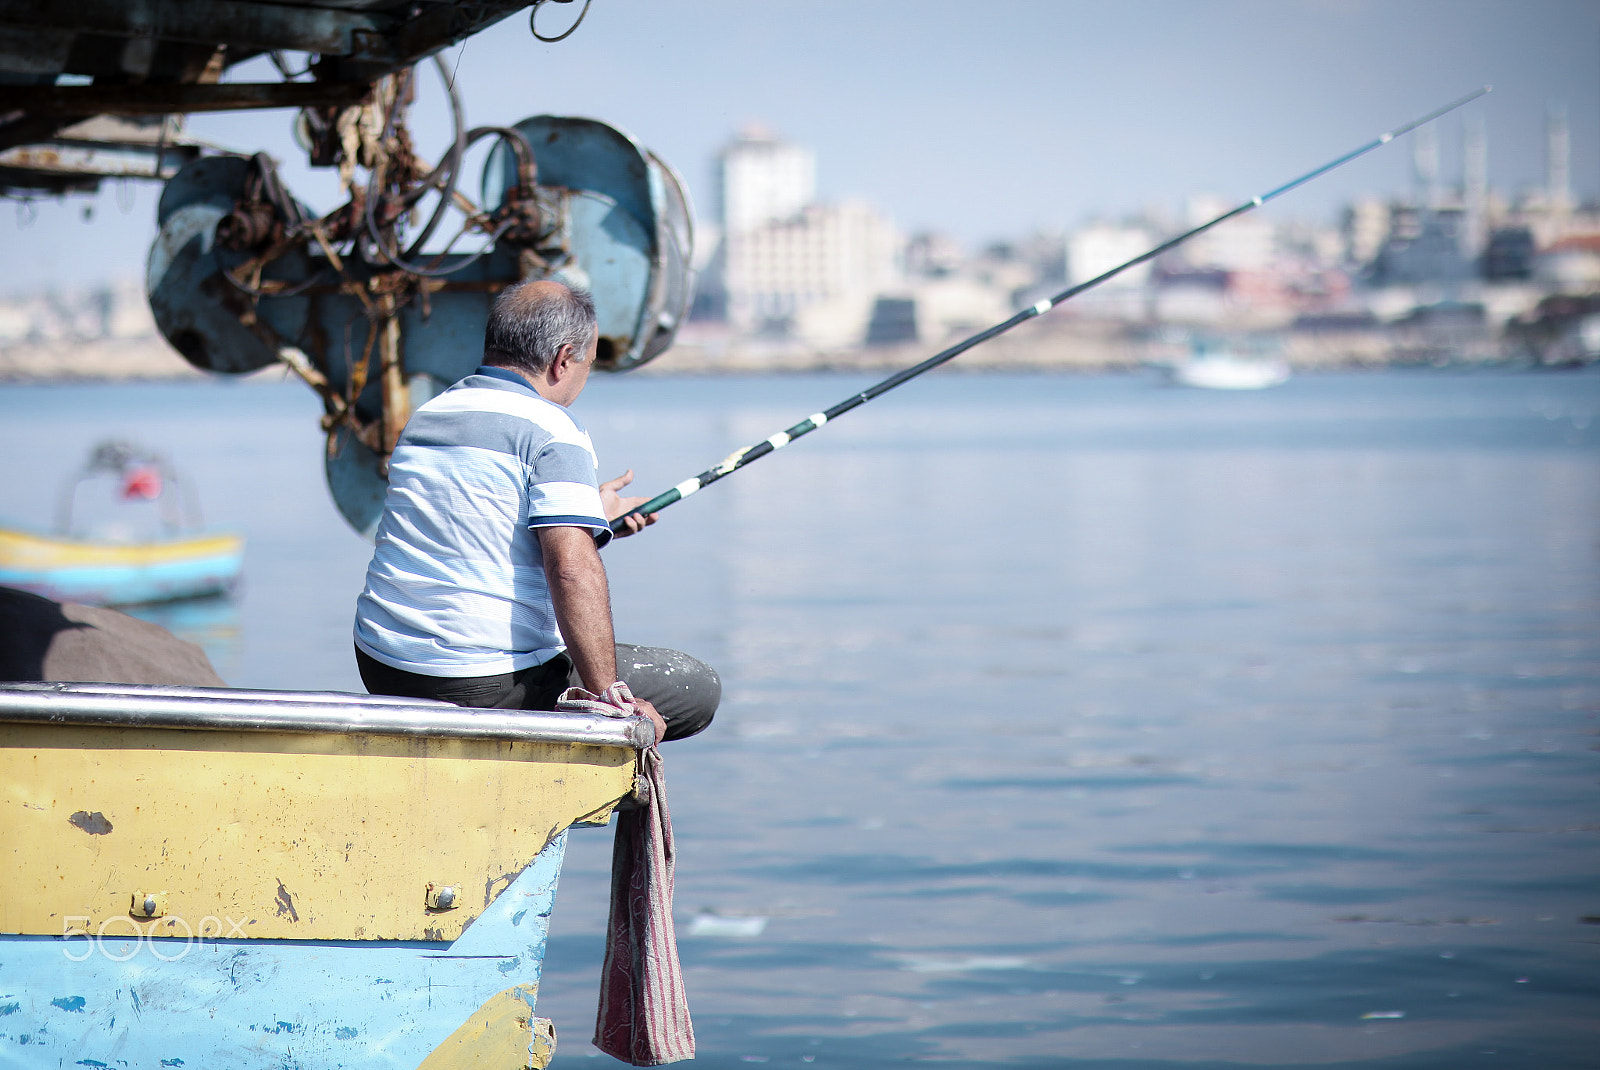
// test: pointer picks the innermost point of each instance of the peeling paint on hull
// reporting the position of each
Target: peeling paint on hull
(270, 1004)
(271, 887)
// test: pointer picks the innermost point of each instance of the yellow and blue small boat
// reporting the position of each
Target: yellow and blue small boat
(109, 573)
(126, 570)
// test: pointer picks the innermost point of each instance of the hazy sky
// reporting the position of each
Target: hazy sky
(984, 120)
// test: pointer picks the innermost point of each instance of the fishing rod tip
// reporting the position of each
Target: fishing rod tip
(1488, 89)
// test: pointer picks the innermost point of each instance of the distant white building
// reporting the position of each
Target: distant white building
(945, 293)
(1099, 247)
(67, 315)
(1571, 264)
(1365, 229)
(934, 255)
(956, 306)
(1244, 243)
(16, 323)
(790, 267)
(814, 275)
(761, 179)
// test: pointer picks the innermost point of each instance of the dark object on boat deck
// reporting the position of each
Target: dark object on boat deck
(45, 640)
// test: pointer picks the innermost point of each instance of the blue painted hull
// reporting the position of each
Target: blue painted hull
(235, 1004)
(128, 586)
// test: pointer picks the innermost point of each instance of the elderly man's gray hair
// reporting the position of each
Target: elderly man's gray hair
(531, 321)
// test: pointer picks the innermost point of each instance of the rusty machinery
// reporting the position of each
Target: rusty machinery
(382, 301)
(242, 275)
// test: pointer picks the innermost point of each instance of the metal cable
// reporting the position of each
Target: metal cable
(533, 26)
(453, 160)
(250, 291)
(523, 151)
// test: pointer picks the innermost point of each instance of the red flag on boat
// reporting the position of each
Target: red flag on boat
(143, 482)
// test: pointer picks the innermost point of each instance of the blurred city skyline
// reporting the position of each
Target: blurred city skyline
(985, 124)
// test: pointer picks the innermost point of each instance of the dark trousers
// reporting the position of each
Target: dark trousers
(684, 690)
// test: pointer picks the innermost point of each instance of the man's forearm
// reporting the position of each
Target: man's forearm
(582, 603)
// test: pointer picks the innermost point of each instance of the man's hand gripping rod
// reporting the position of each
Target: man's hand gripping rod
(739, 458)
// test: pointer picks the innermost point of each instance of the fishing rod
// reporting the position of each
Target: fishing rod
(739, 458)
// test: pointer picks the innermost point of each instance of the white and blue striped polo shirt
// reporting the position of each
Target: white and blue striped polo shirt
(457, 586)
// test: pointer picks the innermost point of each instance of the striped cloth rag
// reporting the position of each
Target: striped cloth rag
(644, 1015)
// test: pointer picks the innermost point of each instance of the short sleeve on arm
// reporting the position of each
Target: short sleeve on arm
(563, 491)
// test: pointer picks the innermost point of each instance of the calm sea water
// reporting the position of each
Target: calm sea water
(1069, 721)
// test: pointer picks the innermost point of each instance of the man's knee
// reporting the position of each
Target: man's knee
(701, 699)
(684, 690)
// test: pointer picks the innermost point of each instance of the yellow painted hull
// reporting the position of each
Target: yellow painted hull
(228, 890)
(307, 837)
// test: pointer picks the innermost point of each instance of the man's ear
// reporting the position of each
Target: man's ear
(563, 359)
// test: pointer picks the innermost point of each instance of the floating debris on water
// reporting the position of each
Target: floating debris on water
(1367, 919)
(1383, 1014)
(709, 924)
(917, 964)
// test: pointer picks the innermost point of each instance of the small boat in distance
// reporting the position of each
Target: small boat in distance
(1224, 371)
(118, 567)
(1215, 367)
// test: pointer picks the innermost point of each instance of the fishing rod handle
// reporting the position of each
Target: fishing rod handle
(654, 505)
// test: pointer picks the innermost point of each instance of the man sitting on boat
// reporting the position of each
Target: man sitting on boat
(486, 587)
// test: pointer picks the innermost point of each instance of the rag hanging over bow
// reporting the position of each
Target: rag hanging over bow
(644, 1015)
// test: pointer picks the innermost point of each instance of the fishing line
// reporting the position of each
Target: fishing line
(739, 458)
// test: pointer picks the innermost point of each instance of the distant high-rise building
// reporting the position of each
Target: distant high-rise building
(761, 179)
(1425, 167)
(1558, 161)
(1475, 185)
